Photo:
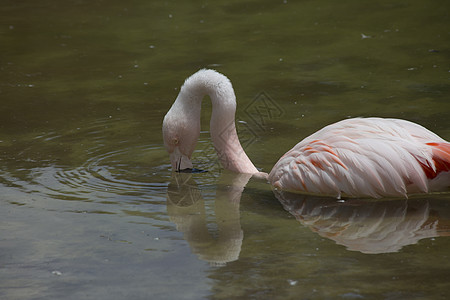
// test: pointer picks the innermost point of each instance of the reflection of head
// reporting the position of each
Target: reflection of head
(219, 248)
(182, 190)
(366, 226)
(219, 251)
(217, 242)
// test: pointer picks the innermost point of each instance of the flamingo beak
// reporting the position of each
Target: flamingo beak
(179, 161)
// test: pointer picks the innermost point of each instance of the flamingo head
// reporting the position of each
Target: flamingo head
(180, 138)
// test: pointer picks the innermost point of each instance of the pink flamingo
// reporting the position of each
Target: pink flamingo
(355, 157)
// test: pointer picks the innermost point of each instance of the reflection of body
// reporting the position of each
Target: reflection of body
(367, 226)
(186, 209)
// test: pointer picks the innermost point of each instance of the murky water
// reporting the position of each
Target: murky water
(89, 208)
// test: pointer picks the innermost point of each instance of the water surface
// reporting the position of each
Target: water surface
(91, 210)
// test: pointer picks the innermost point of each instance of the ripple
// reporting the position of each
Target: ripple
(115, 172)
(93, 164)
(115, 176)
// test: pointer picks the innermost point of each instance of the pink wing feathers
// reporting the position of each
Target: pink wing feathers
(365, 157)
(440, 159)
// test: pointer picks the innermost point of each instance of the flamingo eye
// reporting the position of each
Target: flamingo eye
(175, 141)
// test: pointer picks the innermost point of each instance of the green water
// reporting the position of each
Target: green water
(89, 208)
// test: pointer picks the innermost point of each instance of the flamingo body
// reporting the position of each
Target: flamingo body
(366, 157)
(356, 157)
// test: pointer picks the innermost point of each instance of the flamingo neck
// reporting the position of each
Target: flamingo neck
(222, 125)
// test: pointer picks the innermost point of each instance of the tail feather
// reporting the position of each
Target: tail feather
(441, 160)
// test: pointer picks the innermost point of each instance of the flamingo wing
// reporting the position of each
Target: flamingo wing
(364, 157)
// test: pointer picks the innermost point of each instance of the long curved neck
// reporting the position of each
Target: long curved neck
(222, 125)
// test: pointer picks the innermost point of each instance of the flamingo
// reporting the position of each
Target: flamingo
(358, 157)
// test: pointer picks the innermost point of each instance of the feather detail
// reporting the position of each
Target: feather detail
(440, 161)
(365, 157)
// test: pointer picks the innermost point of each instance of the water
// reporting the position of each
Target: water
(91, 210)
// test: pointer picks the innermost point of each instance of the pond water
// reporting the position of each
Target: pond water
(89, 207)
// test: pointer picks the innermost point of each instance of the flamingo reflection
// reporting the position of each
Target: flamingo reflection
(368, 226)
(186, 208)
